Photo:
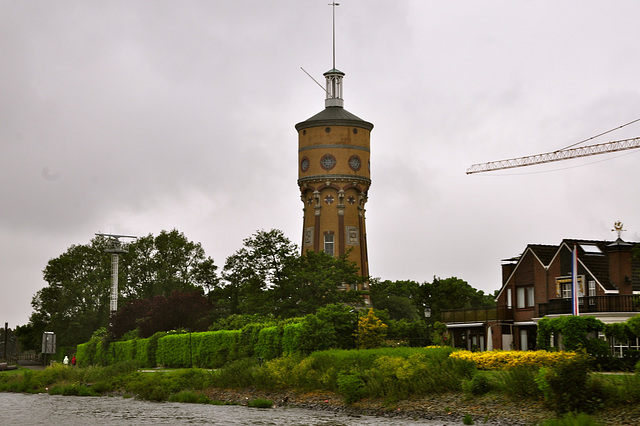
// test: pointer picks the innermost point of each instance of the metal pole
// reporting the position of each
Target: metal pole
(6, 339)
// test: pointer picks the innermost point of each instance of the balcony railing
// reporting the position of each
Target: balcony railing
(488, 313)
(592, 304)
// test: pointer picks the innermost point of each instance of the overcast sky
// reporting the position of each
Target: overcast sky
(134, 117)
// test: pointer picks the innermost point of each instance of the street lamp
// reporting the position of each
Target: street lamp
(427, 315)
(355, 311)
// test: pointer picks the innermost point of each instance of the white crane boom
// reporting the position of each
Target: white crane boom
(563, 154)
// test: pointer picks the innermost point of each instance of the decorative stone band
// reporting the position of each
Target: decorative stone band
(334, 178)
(334, 145)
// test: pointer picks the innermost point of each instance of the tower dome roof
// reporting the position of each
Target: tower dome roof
(336, 116)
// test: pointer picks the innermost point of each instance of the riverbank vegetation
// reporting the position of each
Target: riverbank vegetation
(383, 377)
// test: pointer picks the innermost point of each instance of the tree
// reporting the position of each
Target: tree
(316, 335)
(75, 301)
(451, 293)
(166, 263)
(400, 298)
(180, 309)
(254, 269)
(371, 331)
(344, 320)
(314, 280)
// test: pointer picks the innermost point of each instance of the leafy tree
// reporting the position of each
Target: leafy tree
(75, 301)
(28, 338)
(166, 263)
(633, 324)
(371, 331)
(440, 334)
(344, 320)
(314, 280)
(180, 309)
(268, 276)
(451, 293)
(316, 335)
(399, 298)
(254, 269)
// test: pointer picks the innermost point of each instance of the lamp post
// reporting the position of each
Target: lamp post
(427, 315)
(355, 311)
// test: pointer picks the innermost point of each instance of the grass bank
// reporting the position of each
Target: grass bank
(411, 382)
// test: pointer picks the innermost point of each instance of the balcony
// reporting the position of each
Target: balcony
(483, 314)
(592, 304)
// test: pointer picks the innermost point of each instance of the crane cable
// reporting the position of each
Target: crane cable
(593, 137)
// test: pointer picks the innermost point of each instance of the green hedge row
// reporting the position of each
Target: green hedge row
(212, 349)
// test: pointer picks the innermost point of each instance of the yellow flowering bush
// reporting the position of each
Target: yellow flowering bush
(503, 360)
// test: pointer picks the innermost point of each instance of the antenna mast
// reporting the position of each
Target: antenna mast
(115, 250)
(334, 4)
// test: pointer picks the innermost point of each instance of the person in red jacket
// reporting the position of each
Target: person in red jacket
(73, 361)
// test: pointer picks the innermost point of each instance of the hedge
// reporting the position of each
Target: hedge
(174, 351)
(215, 348)
(291, 336)
(269, 344)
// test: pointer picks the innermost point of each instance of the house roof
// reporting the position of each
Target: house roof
(593, 255)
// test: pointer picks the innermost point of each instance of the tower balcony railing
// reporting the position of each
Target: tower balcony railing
(592, 304)
(481, 314)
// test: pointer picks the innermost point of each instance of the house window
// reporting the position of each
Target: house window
(520, 297)
(328, 244)
(524, 340)
(592, 292)
(566, 290)
(509, 299)
(524, 297)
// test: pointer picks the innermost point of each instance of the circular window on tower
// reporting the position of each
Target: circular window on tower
(328, 162)
(355, 163)
(304, 164)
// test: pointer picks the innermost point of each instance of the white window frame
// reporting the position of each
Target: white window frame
(329, 244)
(521, 297)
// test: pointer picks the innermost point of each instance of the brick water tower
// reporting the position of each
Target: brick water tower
(334, 177)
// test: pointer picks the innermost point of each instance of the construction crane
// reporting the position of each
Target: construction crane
(115, 249)
(562, 154)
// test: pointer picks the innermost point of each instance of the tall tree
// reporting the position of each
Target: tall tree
(314, 280)
(452, 293)
(75, 301)
(180, 309)
(254, 269)
(166, 263)
(400, 298)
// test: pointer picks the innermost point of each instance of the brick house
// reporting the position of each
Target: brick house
(538, 283)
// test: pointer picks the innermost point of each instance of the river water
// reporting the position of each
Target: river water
(45, 409)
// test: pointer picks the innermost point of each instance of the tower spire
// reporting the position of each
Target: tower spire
(333, 76)
(333, 5)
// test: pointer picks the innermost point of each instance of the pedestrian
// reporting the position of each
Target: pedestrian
(73, 361)
(65, 361)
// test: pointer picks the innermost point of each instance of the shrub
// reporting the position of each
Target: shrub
(260, 403)
(269, 345)
(498, 359)
(189, 397)
(478, 385)
(237, 374)
(572, 419)
(215, 348)
(520, 381)
(563, 385)
(351, 387)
